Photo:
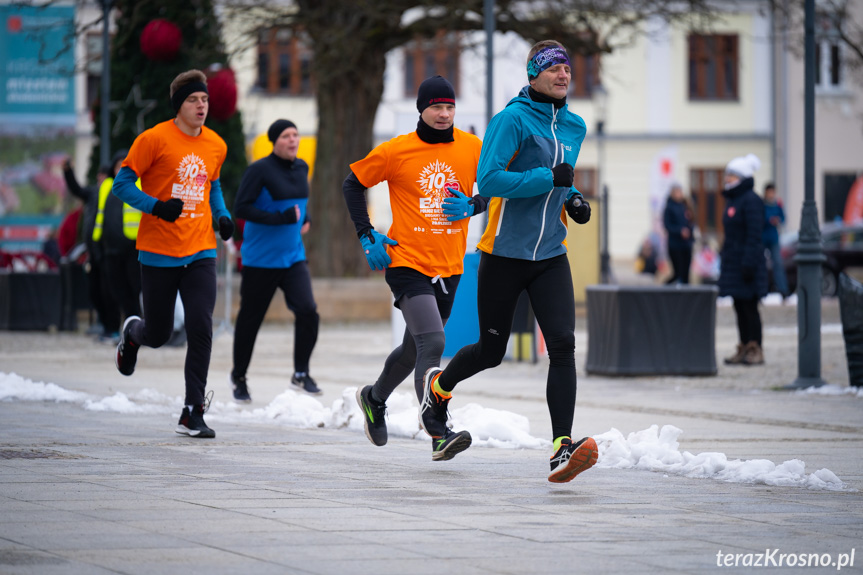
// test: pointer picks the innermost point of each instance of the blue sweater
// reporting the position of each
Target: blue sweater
(269, 187)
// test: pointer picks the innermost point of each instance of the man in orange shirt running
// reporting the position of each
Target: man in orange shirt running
(430, 174)
(178, 162)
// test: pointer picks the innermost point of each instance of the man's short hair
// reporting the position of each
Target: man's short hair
(540, 45)
(187, 77)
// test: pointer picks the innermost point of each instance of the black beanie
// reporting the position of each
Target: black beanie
(277, 127)
(435, 90)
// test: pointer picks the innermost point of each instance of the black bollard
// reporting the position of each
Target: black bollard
(851, 312)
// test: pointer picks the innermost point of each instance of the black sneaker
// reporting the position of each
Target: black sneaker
(192, 423)
(306, 383)
(450, 444)
(572, 458)
(373, 416)
(127, 350)
(241, 389)
(433, 409)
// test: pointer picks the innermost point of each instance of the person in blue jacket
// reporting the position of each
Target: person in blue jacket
(677, 220)
(273, 198)
(774, 217)
(743, 269)
(526, 167)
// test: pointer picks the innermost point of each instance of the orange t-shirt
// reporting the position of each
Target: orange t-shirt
(172, 164)
(417, 174)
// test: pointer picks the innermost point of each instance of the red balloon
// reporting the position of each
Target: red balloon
(222, 87)
(160, 40)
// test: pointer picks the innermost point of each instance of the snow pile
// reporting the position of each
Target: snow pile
(652, 449)
(656, 449)
(13, 386)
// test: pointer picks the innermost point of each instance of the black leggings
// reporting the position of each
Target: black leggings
(549, 286)
(681, 261)
(748, 320)
(196, 284)
(256, 292)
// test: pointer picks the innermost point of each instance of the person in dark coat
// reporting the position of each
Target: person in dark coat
(743, 270)
(102, 302)
(677, 220)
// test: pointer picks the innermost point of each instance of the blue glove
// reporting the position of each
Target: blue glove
(458, 207)
(374, 246)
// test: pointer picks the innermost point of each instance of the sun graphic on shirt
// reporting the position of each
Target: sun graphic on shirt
(192, 171)
(435, 177)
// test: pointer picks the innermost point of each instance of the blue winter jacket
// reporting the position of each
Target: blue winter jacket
(674, 219)
(771, 232)
(522, 143)
(743, 269)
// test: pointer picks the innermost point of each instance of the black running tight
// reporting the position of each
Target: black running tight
(256, 292)
(196, 284)
(549, 286)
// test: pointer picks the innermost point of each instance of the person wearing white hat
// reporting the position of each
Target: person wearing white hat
(743, 270)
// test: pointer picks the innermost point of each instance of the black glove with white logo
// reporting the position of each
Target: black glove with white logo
(578, 209)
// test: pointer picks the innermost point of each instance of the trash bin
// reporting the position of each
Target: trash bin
(851, 312)
(29, 301)
(651, 330)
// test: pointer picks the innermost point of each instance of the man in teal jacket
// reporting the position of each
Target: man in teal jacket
(526, 167)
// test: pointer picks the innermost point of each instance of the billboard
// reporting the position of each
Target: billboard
(37, 119)
(37, 66)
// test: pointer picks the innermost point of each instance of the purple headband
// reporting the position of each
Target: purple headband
(545, 59)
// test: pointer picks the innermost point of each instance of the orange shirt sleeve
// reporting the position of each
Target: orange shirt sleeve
(372, 169)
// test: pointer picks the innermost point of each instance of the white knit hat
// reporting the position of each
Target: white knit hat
(743, 166)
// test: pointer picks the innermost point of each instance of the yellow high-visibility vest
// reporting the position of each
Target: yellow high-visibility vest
(131, 216)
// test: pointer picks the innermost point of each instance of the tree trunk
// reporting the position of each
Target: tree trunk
(349, 64)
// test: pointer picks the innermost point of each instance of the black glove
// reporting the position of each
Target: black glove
(291, 215)
(578, 209)
(748, 274)
(226, 228)
(563, 175)
(168, 211)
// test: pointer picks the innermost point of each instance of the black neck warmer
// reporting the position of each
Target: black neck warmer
(543, 99)
(431, 136)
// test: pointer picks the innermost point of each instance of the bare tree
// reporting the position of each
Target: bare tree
(836, 20)
(350, 40)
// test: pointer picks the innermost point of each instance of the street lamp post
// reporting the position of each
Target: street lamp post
(104, 133)
(809, 254)
(600, 100)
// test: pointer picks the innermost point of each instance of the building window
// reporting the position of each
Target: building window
(585, 75)
(284, 62)
(585, 182)
(713, 64)
(829, 70)
(428, 57)
(706, 192)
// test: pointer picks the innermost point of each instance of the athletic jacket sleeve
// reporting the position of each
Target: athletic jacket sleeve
(355, 197)
(500, 145)
(480, 204)
(124, 188)
(217, 201)
(74, 187)
(244, 205)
